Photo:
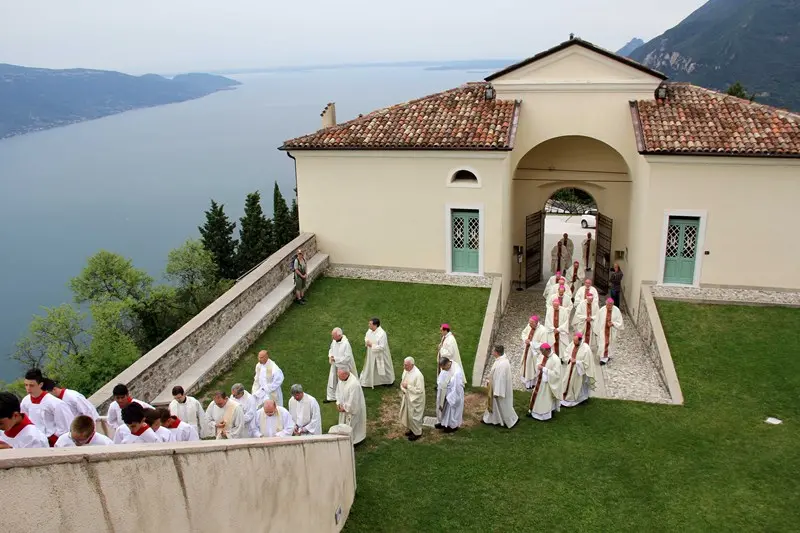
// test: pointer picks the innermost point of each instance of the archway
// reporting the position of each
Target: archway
(570, 216)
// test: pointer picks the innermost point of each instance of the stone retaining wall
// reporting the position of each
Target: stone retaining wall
(491, 325)
(148, 376)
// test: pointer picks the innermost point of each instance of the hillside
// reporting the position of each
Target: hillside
(756, 42)
(36, 98)
(632, 45)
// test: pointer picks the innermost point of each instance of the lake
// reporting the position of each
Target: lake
(138, 183)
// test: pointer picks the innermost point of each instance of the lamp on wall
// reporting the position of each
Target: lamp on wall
(489, 92)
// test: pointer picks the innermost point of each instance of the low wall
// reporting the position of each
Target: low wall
(491, 324)
(648, 324)
(276, 485)
(148, 376)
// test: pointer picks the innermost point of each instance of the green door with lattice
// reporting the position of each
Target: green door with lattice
(681, 251)
(465, 241)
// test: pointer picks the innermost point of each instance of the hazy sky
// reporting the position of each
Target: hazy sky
(178, 35)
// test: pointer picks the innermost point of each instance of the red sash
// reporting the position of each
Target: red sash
(588, 248)
(574, 278)
(588, 329)
(555, 325)
(558, 259)
(608, 331)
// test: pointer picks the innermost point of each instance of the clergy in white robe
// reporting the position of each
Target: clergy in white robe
(555, 289)
(267, 380)
(378, 369)
(181, 431)
(564, 299)
(546, 396)
(340, 354)
(51, 415)
(350, 404)
(249, 407)
(583, 319)
(500, 393)
(412, 404)
(561, 254)
(449, 396)
(556, 325)
(305, 412)
(574, 276)
(448, 346)
(16, 428)
(137, 431)
(225, 417)
(274, 421)
(585, 289)
(189, 410)
(588, 251)
(122, 398)
(550, 282)
(607, 325)
(76, 401)
(532, 337)
(579, 374)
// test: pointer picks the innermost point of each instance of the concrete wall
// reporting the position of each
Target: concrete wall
(148, 376)
(276, 485)
(491, 325)
(390, 208)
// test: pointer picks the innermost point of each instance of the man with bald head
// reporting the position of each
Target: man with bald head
(561, 256)
(304, 409)
(340, 355)
(412, 407)
(274, 421)
(350, 404)
(267, 381)
(587, 288)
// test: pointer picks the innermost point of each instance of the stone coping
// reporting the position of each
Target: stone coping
(49, 456)
(491, 321)
(669, 374)
(407, 275)
(208, 362)
(139, 366)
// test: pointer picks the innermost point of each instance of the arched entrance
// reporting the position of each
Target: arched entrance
(554, 185)
(570, 216)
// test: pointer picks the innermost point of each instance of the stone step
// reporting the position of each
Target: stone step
(241, 336)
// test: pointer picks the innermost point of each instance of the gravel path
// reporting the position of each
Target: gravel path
(629, 376)
(754, 296)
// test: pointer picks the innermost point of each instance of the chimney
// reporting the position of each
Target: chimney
(329, 115)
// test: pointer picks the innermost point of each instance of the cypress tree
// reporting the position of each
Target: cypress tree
(295, 216)
(217, 237)
(255, 235)
(282, 218)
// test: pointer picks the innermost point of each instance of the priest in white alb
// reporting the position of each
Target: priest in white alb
(587, 288)
(449, 396)
(412, 405)
(274, 421)
(189, 410)
(574, 277)
(564, 298)
(532, 337)
(304, 409)
(556, 325)
(546, 396)
(340, 354)
(553, 280)
(579, 374)
(350, 404)
(588, 250)
(249, 407)
(500, 393)
(607, 325)
(561, 255)
(267, 380)
(378, 369)
(583, 319)
(448, 346)
(225, 417)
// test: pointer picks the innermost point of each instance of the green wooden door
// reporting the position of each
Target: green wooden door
(681, 250)
(465, 240)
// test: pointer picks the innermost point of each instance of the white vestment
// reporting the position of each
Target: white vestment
(581, 293)
(599, 327)
(588, 263)
(191, 412)
(98, 439)
(501, 395)
(566, 256)
(566, 302)
(528, 368)
(148, 436)
(306, 415)
(574, 278)
(78, 404)
(449, 348)
(350, 396)
(549, 285)
(548, 398)
(580, 317)
(280, 424)
(184, 432)
(343, 358)
(267, 383)
(412, 406)
(450, 396)
(250, 411)
(562, 332)
(165, 434)
(24, 435)
(233, 416)
(576, 389)
(553, 292)
(378, 368)
(51, 415)
(114, 418)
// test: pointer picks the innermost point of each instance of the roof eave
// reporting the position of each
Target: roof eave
(394, 148)
(722, 154)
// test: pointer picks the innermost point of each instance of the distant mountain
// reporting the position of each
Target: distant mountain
(632, 45)
(33, 99)
(755, 42)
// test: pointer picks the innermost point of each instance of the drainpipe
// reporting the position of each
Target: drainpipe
(297, 191)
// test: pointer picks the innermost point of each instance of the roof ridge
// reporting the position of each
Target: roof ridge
(787, 113)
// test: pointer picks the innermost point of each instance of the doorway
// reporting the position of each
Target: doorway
(680, 254)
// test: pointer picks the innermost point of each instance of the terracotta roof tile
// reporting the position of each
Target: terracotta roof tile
(694, 120)
(457, 119)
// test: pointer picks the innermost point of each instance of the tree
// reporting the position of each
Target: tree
(282, 219)
(52, 338)
(255, 235)
(217, 238)
(110, 277)
(738, 90)
(295, 216)
(192, 269)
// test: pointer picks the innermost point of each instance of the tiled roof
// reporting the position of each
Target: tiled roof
(697, 121)
(458, 119)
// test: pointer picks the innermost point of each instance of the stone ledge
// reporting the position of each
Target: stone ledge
(491, 323)
(649, 327)
(408, 276)
(729, 295)
(241, 336)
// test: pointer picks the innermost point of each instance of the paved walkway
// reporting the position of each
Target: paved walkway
(629, 376)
